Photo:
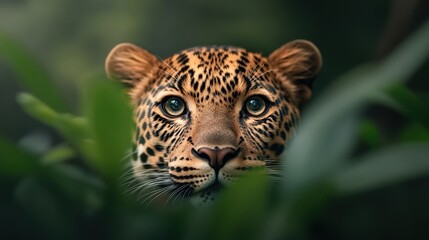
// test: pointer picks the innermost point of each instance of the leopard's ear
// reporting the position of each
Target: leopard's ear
(130, 64)
(297, 64)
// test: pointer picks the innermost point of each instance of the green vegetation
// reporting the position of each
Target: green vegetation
(340, 158)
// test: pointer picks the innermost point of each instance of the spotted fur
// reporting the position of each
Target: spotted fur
(216, 138)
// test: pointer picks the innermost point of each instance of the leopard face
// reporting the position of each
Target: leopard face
(207, 114)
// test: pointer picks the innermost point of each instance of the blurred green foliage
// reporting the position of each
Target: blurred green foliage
(347, 174)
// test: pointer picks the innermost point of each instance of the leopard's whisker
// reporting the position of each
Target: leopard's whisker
(128, 154)
(171, 68)
(165, 190)
(262, 74)
(257, 66)
(181, 192)
(156, 192)
(261, 65)
(188, 191)
(177, 191)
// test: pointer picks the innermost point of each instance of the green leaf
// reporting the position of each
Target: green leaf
(414, 133)
(15, 162)
(109, 116)
(57, 154)
(77, 185)
(38, 109)
(237, 212)
(370, 134)
(301, 206)
(385, 167)
(316, 151)
(326, 147)
(409, 104)
(72, 128)
(30, 73)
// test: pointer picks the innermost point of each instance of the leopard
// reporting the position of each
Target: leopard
(207, 115)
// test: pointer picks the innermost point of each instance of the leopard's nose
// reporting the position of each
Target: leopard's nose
(216, 157)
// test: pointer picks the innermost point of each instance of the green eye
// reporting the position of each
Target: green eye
(256, 106)
(173, 107)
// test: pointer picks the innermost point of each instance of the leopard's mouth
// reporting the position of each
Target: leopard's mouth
(207, 195)
(215, 186)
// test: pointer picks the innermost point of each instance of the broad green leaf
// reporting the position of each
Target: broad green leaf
(72, 128)
(326, 146)
(15, 162)
(38, 109)
(109, 117)
(385, 167)
(237, 213)
(30, 73)
(307, 160)
(302, 205)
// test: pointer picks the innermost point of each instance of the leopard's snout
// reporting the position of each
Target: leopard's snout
(216, 157)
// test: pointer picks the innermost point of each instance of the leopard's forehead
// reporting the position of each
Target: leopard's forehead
(218, 62)
(216, 75)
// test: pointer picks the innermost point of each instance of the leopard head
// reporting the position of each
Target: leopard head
(207, 114)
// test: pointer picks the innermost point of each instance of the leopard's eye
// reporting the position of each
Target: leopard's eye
(256, 106)
(173, 106)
